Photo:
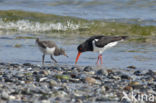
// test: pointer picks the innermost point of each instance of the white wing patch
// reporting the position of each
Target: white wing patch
(109, 45)
(100, 50)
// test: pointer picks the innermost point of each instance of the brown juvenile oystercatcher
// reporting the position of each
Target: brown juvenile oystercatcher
(49, 47)
(98, 44)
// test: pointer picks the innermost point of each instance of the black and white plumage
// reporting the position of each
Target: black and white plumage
(49, 48)
(98, 44)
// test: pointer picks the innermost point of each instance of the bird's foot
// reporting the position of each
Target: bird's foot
(99, 59)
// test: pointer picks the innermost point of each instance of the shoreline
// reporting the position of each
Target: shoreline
(63, 83)
(36, 22)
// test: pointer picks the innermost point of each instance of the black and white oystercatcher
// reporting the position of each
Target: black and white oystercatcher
(49, 47)
(98, 44)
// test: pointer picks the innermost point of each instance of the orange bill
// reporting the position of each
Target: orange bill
(79, 53)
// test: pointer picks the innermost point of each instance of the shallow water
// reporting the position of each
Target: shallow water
(125, 54)
(89, 9)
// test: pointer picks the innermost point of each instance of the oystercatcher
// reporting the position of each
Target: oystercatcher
(98, 44)
(49, 47)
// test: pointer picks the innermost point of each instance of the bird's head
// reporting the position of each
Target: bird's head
(62, 52)
(37, 39)
(80, 49)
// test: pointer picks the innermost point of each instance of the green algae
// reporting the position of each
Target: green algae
(14, 15)
(17, 45)
(25, 37)
(84, 27)
(64, 77)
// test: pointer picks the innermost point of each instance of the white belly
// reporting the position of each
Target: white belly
(47, 50)
(100, 50)
(50, 50)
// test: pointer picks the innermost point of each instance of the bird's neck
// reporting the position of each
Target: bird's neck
(57, 52)
(37, 40)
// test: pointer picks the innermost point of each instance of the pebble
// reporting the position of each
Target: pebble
(91, 80)
(137, 73)
(87, 69)
(151, 73)
(51, 84)
(43, 79)
(103, 89)
(109, 71)
(101, 72)
(131, 67)
(125, 77)
(27, 64)
(128, 88)
(4, 95)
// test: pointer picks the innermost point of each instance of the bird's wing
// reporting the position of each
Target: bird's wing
(101, 42)
(49, 44)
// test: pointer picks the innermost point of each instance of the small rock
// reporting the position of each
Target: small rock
(128, 88)
(1, 73)
(73, 80)
(78, 101)
(82, 77)
(76, 69)
(125, 77)
(110, 71)
(28, 81)
(88, 69)
(103, 89)
(135, 85)
(29, 78)
(131, 67)
(28, 69)
(101, 72)
(78, 93)
(45, 101)
(151, 73)
(57, 68)
(53, 83)
(5, 95)
(91, 80)
(14, 65)
(8, 80)
(115, 77)
(61, 94)
(74, 75)
(22, 82)
(44, 72)
(43, 79)
(11, 97)
(137, 73)
(35, 73)
(27, 64)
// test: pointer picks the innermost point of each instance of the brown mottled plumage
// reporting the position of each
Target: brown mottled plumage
(49, 47)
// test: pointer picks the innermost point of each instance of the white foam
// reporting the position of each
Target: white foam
(27, 26)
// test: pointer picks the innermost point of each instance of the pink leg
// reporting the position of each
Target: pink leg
(98, 60)
(101, 59)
